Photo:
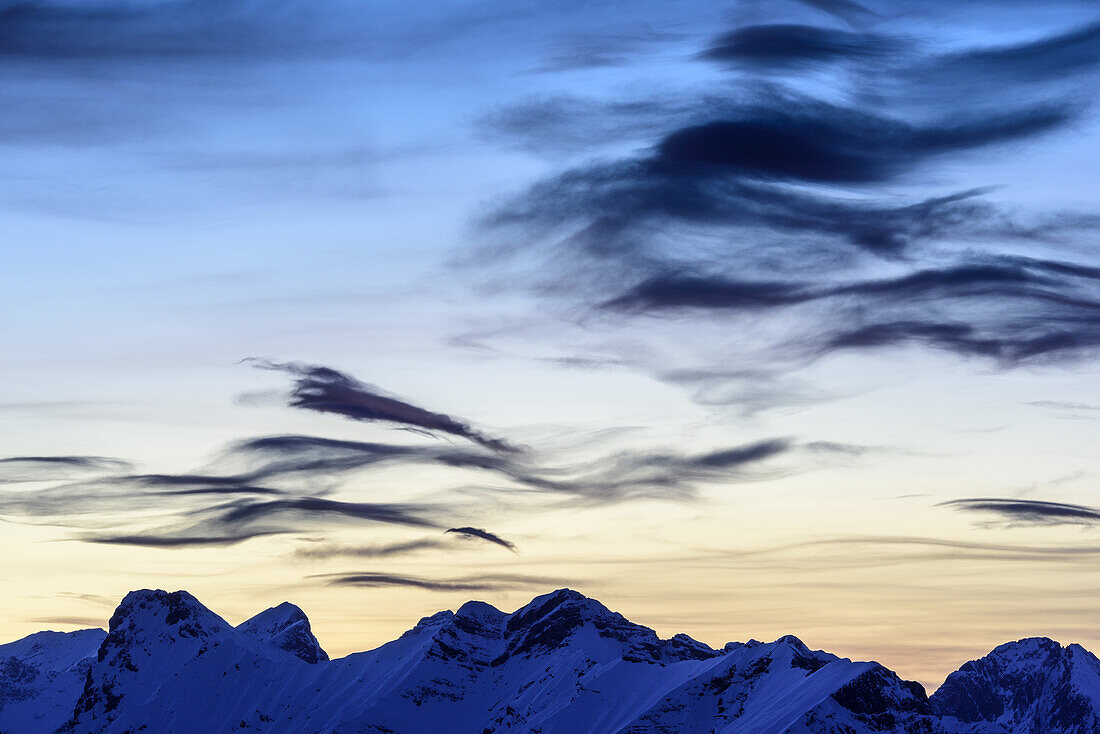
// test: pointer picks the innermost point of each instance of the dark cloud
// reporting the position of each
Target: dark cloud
(484, 535)
(795, 45)
(823, 143)
(1018, 512)
(176, 539)
(184, 484)
(807, 220)
(660, 474)
(397, 514)
(614, 478)
(487, 582)
(206, 509)
(1010, 309)
(235, 522)
(745, 172)
(326, 390)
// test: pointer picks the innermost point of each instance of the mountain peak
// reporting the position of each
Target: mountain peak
(547, 604)
(562, 664)
(178, 609)
(478, 617)
(792, 641)
(286, 627)
(1020, 684)
(478, 609)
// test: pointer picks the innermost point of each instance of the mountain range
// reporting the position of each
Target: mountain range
(562, 664)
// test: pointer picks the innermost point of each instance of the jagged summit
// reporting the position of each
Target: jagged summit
(561, 664)
(547, 603)
(145, 609)
(1031, 685)
(479, 610)
(286, 627)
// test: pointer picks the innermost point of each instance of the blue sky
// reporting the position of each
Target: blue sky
(785, 315)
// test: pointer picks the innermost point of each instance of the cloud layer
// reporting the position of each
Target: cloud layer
(793, 200)
(300, 484)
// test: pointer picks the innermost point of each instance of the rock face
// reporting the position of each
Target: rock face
(1033, 686)
(562, 664)
(287, 628)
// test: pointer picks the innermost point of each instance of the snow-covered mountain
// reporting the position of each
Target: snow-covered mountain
(1032, 686)
(563, 664)
(41, 677)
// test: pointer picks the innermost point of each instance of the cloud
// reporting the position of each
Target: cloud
(1016, 512)
(16, 469)
(863, 551)
(1010, 309)
(1052, 58)
(566, 123)
(848, 10)
(618, 477)
(180, 30)
(745, 169)
(98, 600)
(326, 390)
(277, 493)
(821, 142)
(1063, 405)
(486, 582)
(172, 538)
(484, 535)
(396, 514)
(795, 45)
(799, 211)
(237, 521)
(84, 622)
(330, 550)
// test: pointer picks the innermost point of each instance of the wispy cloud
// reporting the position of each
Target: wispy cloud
(277, 495)
(1019, 512)
(84, 622)
(326, 390)
(15, 469)
(469, 532)
(804, 217)
(482, 582)
(334, 550)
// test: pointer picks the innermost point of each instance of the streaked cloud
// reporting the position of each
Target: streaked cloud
(468, 532)
(326, 390)
(14, 469)
(1021, 512)
(480, 582)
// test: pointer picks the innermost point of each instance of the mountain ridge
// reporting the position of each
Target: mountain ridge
(563, 663)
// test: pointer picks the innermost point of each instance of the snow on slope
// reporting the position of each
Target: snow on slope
(563, 664)
(41, 676)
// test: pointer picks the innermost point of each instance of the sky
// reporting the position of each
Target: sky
(744, 318)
